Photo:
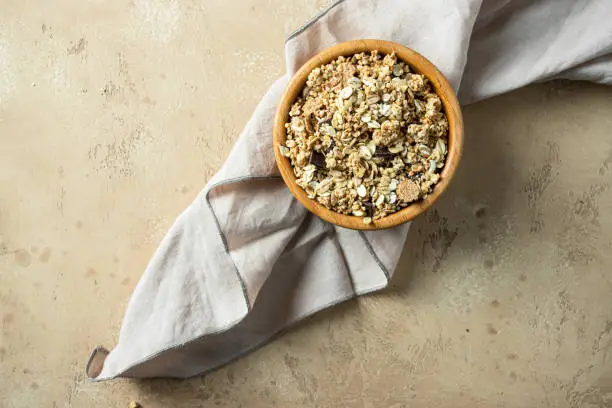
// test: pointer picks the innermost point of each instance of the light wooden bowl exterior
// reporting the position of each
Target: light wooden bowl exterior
(417, 63)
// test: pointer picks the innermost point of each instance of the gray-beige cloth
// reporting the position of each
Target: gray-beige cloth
(245, 260)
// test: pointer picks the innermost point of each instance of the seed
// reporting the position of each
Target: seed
(354, 82)
(362, 191)
(418, 105)
(372, 147)
(365, 152)
(396, 149)
(424, 150)
(328, 130)
(297, 124)
(433, 165)
(372, 99)
(385, 110)
(337, 120)
(441, 146)
(340, 104)
(284, 151)
(346, 93)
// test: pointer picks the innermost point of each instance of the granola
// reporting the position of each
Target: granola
(367, 136)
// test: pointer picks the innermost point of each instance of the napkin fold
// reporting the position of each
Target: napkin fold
(245, 260)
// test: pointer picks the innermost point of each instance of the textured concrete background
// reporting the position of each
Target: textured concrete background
(114, 114)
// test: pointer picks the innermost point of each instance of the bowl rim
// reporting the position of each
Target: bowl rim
(417, 63)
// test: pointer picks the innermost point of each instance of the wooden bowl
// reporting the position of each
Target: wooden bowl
(417, 63)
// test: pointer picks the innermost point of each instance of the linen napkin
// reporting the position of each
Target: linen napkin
(245, 260)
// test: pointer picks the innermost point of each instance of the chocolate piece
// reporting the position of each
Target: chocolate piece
(318, 159)
(332, 145)
(383, 153)
(369, 208)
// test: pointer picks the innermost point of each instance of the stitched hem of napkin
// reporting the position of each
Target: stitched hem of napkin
(288, 328)
(247, 350)
(220, 230)
(236, 357)
(157, 353)
(378, 261)
(224, 239)
(244, 290)
(313, 20)
(92, 356)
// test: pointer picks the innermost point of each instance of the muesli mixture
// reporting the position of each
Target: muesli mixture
(367, 136)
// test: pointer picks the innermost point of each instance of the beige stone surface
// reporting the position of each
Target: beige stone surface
(114, 114)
